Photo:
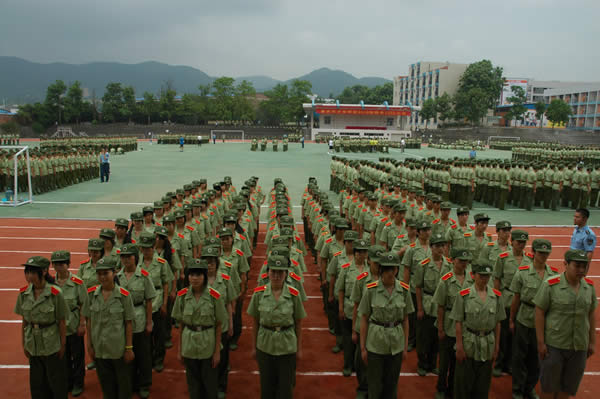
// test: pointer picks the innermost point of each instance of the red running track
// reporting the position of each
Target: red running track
(319, 372)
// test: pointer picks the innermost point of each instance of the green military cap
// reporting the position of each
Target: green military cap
(107, 263)
(462, 209)
(212, 242)
(161, 231)
(107, 233)
(375, 252)
(280, 241)
(286, 232)
(157, 204)
(576, 255)
(503, 224)
(187, 187)
(122, 222)
(460, 253)
(436, 198)
(276, 262)
(146, 240)
(280, 250)
(60, 256)
(350, 235)
(411, 223)
(210, 251)
(198, 264)
(170, 194)
(430, 196)
(137, 216)
(389, 259)
(481, 267)
(372, 197)
(228, 178)
(361, 245)
(169, 219)
(217, 186)
(204, 200)
(541, 245)
(420, 193)
(187, 207)
(438, 238)
(387, 202)
(282, 211)
(224, 232)
(129, 249)
(179, 191)
(179, 213)
(196, 183)
(148, 208)
(445, 205)
(95, 244)
(341, 223)
(196, 203)
(165, 200)
(202, 181)
(519, 235)
(399, 207)
(424, 225)
(230, 218)
(286, 220)
(481, 217)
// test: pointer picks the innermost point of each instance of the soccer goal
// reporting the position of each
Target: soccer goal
(16, 177)
(224, 133)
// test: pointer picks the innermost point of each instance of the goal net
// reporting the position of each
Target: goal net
(227, 134)
(15, 176)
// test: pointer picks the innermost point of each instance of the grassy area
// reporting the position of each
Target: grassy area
(144, 176)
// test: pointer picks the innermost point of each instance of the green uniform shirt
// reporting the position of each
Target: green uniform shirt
(160, 274)
(75, 295)
(427, 277)
(379, 306)
(87, 272)
(108, 321)
(526, 283)
(345, 282)
(141, 289)
(445, 296)
(480, 316)
(491, 251)
(414, 255)
(357, 292)
(505, 268)
(274, 313)
(48, 308)
(205, 311)
(224, 286)
(567, 313)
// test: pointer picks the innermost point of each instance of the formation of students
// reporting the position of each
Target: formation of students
(397, 275)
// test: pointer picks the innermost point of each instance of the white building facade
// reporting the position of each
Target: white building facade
(584, 102)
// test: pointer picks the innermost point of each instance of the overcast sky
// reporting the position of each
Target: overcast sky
(542, 39)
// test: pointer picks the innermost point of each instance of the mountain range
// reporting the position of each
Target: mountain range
(23, 81)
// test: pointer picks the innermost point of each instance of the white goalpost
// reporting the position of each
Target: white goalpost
(225, 131)
(18, 169)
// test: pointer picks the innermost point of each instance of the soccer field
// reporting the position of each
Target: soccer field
(141, 177)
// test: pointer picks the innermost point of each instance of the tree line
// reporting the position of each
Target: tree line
(222, 100)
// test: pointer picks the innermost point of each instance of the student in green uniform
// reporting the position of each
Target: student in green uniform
(384, 310)
(87, 269)
(139, 284)
(277, 331)
(445, 295)
(44, 311)
(477, 313)
(74, 292)
(201, 313)
(525, 284)
(109, 313)
(565, 327)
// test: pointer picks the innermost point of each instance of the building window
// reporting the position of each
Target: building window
(390, 122)
(327, 120)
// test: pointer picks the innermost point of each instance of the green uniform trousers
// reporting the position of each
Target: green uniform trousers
(472, 379)
(445, 382)
(555, 203)
(349, 346)
(75, 358)
(48, 377)
(361, 370)
(158, 338)
(223, 369)
(502, 197)
(141, 368)
(115, 378)
(526, 365)
(201, 378)
(412, 324)
(277, 375)
(237, 320)
(427, 343)
(383, 372)
(504, 361)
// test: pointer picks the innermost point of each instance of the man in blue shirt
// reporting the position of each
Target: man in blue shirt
(583, 237)
(104, 165)
(473, 153)
(181, 143)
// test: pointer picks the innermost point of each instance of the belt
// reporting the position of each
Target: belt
(158, 287)
(480, 333)
(41, 326)
(138, 304)
(198, 328)
(429, 292)
(386, 325)
(276, 328)
(528, 304)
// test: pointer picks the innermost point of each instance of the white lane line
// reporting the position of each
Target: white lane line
(7, 251)
(44, 238)
(8, 289)
(48, 228)
(21, 268)
(91, 203)
(11, 321)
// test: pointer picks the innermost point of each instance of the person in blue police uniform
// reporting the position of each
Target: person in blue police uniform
(583, 238)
